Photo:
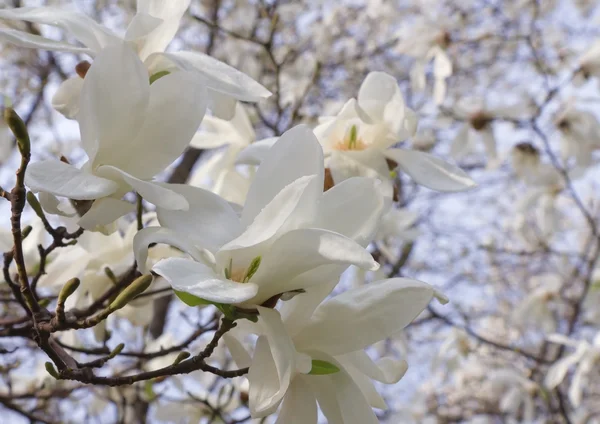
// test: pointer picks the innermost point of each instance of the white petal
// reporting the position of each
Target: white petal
(222, 105)
(299, 405)
(103, 212)
(210, 220)
(54, 206)
(296, 154)
(430, 171)
(237, 350)
(32, 41)
(255, 153)
(113, 103)
(66, 98)
(149, 235)
(362, 316)
(61, 179)
(158, 195)
(386, 370)
(177, 106)
(199, 280)
(325, 391)
(302, 250)
(171, 13)
(219, 76)
(82, 27)
(353, 208)
(376, 91)
(273, 350)
(352, 403)
(460, 144)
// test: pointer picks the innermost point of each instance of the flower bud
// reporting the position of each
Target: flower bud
(35, 205)
(182, 356)
(51, 370)
(118, 349)
(136, 288)
(19, 130)
(68, 289)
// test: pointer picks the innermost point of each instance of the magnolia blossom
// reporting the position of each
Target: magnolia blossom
(289, 236)
(538, 307)
(580, 134)
(313, 351)
(586, 358)
(358, 139)
(130, 131)
(31, 254)
(150, 32)
(219, 173)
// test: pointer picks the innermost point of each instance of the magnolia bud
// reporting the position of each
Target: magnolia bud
(118, 349)
(136, 288)
(182, 356)
(68, 289)
(26, 231)
(35, 205)
(19, 130)
(51, 370)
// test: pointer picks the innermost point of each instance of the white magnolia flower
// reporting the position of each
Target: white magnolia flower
(219, 173)
(586, 358)
(150, 32)
(290, 234)
(313, 352)
(131, 131)
(537, 309)
(516, 393)
(358, 139)
(31, 253)
(580, 134)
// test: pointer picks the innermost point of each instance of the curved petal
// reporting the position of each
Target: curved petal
(61, 179)
(103, 212)
(177, 106)
(82, 27)
(387, 370)
(353, 208)
(32, 41)
(171, 13)
(199, 280)
(272, 366)
(299, 405)
(53, 206)
(302, 250)
(158, 195)
(147, 236)
(222, 105)
(430, 171)
(113, 103)
(362, 316)
(255, 153)
(377, 90)
(219, 76)
(66, 98)
(210, 220)
(352, 403)
(296, 154)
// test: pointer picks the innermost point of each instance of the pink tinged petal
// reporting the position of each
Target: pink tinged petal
(61, 179)
(219, 76)
(103, 212)
(158, 195)
(210, 220)
(177, 106)
(360, 317)
(296, 154)
(272, 366)
(430, 171)
(291, 207)
(353, 208)
(255, 153)
(201, 281)
(32, 41)
(82, 27)
(66, 98)
(113, 103)
(299, 405)
(299, 251)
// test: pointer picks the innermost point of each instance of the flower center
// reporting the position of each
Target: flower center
(351, 141)
(242, 275)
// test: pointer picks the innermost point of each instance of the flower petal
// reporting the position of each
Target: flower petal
(103, 212)
(376, 91)
(219, 76)
(362, 316)
(430, 171)
(113, 103)
(155, 193)
(352, 403)
(221, 105)
(61, 179)
(82, 27)
(210, 220)
(66, 98)
(353, 208)
(199, 280)
(177, 106)
(32, 41)
(274, 352)
(256, 152)
(296, 154)
(299, 405)
(171, 13)
(150, 235)
(302, 250)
